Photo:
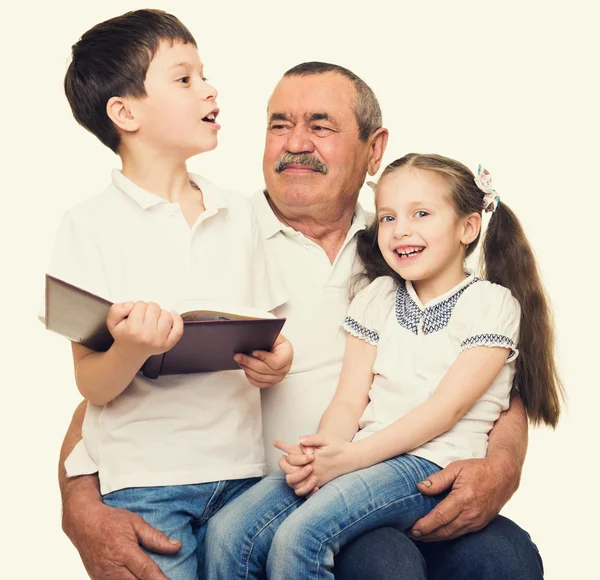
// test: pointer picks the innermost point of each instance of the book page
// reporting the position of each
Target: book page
(208, 310)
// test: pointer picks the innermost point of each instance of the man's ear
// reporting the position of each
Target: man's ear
(377, 144)
(121, 113)
(471, 228)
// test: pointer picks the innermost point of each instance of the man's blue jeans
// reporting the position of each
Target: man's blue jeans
(181, 512)
(501, 551)
(301, 537)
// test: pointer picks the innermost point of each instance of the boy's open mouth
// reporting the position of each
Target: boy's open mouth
(210, 118)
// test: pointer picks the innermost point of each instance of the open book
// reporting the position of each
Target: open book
(212, 334)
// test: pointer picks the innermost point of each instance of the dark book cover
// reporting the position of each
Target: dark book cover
(210, 337)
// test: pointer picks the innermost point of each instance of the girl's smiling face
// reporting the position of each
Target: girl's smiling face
(420, 235)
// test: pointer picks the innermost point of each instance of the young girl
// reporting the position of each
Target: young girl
(432, 355)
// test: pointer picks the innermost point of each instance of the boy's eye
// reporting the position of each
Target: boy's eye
(204, 79)
(422, 213)
(184, 80)
(386, 218)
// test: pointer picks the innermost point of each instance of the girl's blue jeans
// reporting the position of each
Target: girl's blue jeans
(271, 529)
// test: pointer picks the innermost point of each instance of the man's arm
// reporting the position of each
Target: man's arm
(108, 539)
(479, 487)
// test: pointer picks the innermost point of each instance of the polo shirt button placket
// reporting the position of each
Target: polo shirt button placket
(422, 323)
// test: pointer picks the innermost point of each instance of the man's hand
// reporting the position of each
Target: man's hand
(480, 488)
(265, 369)
(108, 540)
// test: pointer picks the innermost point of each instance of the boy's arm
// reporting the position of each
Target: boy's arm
(107, 539)
(479, 488)
(140, 330)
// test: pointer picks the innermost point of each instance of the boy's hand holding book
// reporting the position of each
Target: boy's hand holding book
(143, 329)
(265, 369)
(204, 338)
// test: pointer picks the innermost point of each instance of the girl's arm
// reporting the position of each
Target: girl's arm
(351, 398)
(465, 382)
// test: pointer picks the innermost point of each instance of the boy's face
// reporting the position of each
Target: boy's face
(177, 117)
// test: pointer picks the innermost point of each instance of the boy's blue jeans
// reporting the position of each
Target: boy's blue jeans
(302, 543)
(182, 512)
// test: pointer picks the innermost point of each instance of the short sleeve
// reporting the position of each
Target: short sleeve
(488, 315)
(76, 259)
(367, 311)
(268, 289)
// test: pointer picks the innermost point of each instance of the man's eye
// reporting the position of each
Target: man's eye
(320, 128)
(279, 128)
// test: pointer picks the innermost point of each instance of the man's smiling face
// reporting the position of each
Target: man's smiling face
(313, 153)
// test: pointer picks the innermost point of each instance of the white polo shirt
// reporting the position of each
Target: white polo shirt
(317, 305)
(417, 344)
(129, 244)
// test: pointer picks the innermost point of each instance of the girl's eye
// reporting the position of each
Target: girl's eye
(386, 218)
(422, 213)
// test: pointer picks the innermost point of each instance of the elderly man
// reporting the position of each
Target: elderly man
(324, 135)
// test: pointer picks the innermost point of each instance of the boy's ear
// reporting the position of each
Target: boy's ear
(471, 228)
(121, 114)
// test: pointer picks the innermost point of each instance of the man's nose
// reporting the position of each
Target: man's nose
(299, 140)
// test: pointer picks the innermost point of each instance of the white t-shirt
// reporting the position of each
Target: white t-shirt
(129, 244)
(417, 344)
(318, 302)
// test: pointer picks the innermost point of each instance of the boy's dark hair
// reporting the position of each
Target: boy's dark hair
(366, 106)
(112, 59)
(506, 259)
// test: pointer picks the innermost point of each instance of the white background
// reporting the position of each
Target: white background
(508, 85)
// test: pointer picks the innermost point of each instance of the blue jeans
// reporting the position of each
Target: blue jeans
(302, 543)
(500, 551)
(182, 513)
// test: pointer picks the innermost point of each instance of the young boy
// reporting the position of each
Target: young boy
(176, 449)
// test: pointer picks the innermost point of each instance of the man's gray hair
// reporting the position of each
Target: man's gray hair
(366, 109)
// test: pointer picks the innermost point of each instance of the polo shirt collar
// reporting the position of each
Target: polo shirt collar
(212, 197)
(447, 296)
(271, 225)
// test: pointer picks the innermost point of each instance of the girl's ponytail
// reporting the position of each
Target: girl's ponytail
(507, 259)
